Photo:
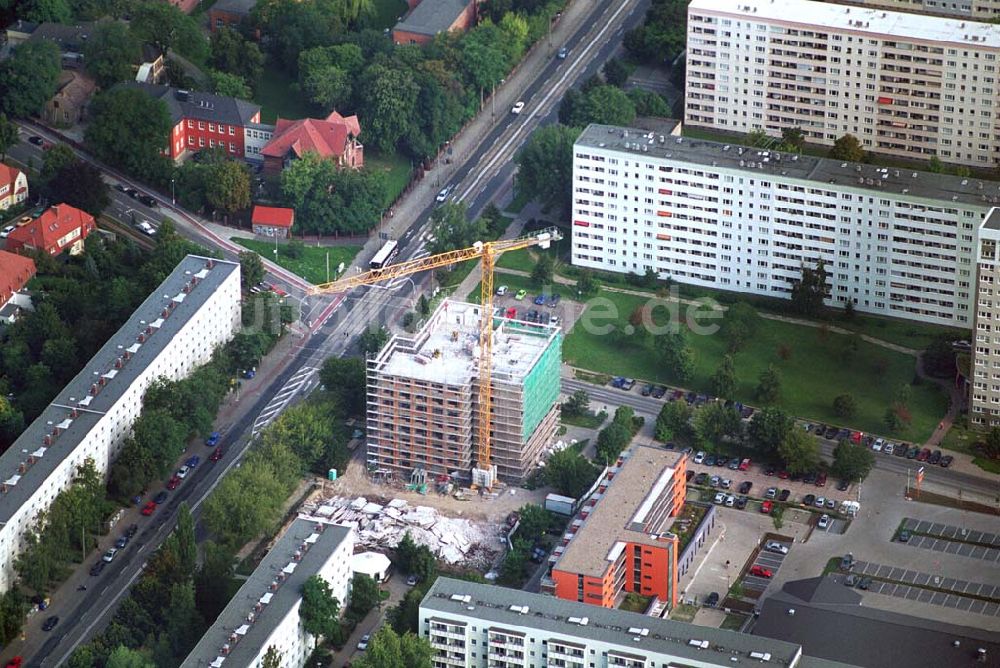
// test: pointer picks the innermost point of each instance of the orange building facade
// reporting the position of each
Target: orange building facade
(621, 542)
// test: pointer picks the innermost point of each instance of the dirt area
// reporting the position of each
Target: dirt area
(355, 483)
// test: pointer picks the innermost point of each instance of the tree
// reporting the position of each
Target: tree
(845, 405)
(183, 540)
(586, 284)
(387, 100)
(386, 649)
(849, 313)
(991, 444)
(8, 135)
(319, 608)
(344, 378)
(129, 129)
(810, 290)
(739, 325)
(372, 339)
(576, 404)
(792, 139)
(534, 521)
(545, 166)
(935, 165)
(723, 381)
(570, 473)
(848, 148)
(329, 200)
(273, 658)
(541, 274)
(166, 27)
(123, 657)
(365, 594)
(452, 229)
(110, 53)
(234, 54)
(768, 428)
(716, 422)
(80, 184)
(648, 103)
(608, 105)
(676, 355)
(768, 389)
(214, 584)
(662, 35)
(939, 358)
(28, 78)
(228, 186)
(799, 451)
(852, 462)
(230, 85)
(423, 306)
(612, 440)
(252, 269)
(616, 72)
(674, 422)
(44, 11)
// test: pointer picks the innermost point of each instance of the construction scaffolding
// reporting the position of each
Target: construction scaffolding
(423, 409)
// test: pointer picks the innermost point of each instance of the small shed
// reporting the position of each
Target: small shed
(373, 564)
(273, 221)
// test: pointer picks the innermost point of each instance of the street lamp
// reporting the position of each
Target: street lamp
(173, 197)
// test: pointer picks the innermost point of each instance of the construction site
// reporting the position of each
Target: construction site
(423, 408)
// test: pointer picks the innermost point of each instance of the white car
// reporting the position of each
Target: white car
(824, 521)
(502, 290)
(443, 195)
(889, 448)
(730, 500)
(877, 445)
(110, 555)
(518, 108)
(776, 547)
(6, 231)
(699, 457)
(363, 645)
(147, 229)
(182, 472)
(720, 498)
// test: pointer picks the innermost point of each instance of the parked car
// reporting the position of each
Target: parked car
(851, 580)
(776, 547)
(842, 485)
(769, 471)
(50, 623)
(785, 493)
(647, 389)
(946, 461)
(924, 455)
(877, 445)
(628, 384)
(149, 508)
(726, 483)
(771, 493)
(904, 536)
(721, 461)
(741, 502)
(411, 581)
(912, 452)
(109, 556)
(745, 464)
(824, 521)
(712, 600)
(889, 448)
(847, 562)
(710, 460)
(148, 201)
(132, 530)
(517, 108)
(783, 474)
(687, 474)
(160, 498)
(192, 461)
(820, 502)
(121, 542)
(830, 433)
(502, 290)
(659, 391)
(808, 499)
(563, 52)
(821, 480)
(540, 300)
(699, 457)
(810, 478)
(760, 571)
(734, 464)
(766, 507)
(182, 472)
(173, 483)
(831, 504)
(5, 232)
(745, 487)
(363, 644)
(213, 439)
(97, 568)
(715, 481)
(701, 478)
(865, 583)
(935, 458)
(216, 455)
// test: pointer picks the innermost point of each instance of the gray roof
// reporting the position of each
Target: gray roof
(992, 220)
(239, 7)
(67, 38)
(321, 541)
(830, 623)
(547, 613)
(431, 17)
(58, 414)
(900, 183)
(200, 106)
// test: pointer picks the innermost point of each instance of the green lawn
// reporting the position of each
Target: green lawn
(513, 283)
(397, 169)
(524, 260)
(312, 265)
(812, 376)
(276, 98)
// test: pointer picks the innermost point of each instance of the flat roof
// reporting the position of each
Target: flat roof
(314, 542)
(619, 515)
(446, 349)
(492, 604)
(31, 446)
(827, 613)
(874, 23)
(431, 17)
(905, 184)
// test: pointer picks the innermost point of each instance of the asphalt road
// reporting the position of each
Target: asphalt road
(480, 178)
(612, 397)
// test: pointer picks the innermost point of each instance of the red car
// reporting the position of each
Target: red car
(783, 475)
(745, 464)
(173, 483)
(15, 662)
(766, 507)
(821, 480)
(278, 291)
(760, 571)
(216, 455)
(149, 508)
(923, 455)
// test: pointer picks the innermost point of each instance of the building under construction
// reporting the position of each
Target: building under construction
(422, 397)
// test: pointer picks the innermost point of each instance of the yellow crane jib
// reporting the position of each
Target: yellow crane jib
(484, 474)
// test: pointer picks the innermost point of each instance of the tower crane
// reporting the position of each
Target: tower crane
(484, 474)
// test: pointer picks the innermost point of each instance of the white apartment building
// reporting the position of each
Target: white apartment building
(984, 397)
(894, 242)
(265, 611)
(980, 10)
(472, 625)
(176, 329)
(908, 85)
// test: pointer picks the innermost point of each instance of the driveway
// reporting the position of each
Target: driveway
(373, 621)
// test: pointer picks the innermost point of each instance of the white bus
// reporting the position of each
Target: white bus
(385, 255)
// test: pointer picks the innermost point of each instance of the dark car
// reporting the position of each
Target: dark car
(121, 542)
(830, 433)
(809, 499)
(647, 390)
(148, 201)
(132, 531)
(819, 429)
(769, 471)
(785, 493)
(192, 461)
(701, 478)
(912, 452)
(712, 600)
(901, 449)
(741, 502)
(132, 192)
(50, 623)
(810, 478)
(904, 536)
(540, 300)
(36, 140)
(935, 458)
(745, 487)
(659, 391)
(721, 461)
(709, 460)
(212, 439)
(119, 187)
(97, 568)
(924, 455)
(688, 476)
(821, 480)
(160, 498)
(842, 485)
(843, 434)
(946, 461)
(865, 583)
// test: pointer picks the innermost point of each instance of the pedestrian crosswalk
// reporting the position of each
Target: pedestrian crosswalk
(301, 381)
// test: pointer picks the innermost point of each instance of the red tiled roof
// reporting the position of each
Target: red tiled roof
(15, 272)
(56, 223)
(327, 138)
(275, 216)
(8, 174)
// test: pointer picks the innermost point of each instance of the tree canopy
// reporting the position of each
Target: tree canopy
(319, 608)
(545, 166)
(28, 78)
(849, 148)
(570, 473)
(110, 53)
(852, 462)
(387, 649)
(799, 451)
(328, 200)
(129, 129)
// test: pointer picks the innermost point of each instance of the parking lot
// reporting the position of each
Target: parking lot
(920, 587)
(956, 547)
(769, 562)
(564, 311)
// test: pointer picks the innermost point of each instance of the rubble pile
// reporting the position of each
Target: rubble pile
(454, 540)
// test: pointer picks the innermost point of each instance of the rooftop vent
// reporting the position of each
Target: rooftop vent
(582, 621)
(700, 644)
(461, 598)
(638, 631)
(519, 609)
(761, 656)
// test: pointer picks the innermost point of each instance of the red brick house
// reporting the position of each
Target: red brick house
(334, 137)
(229, 13)
(272, 221)
(13, 186)
(61, 228)
(15, 272)
(428, 18)
(204, 120)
